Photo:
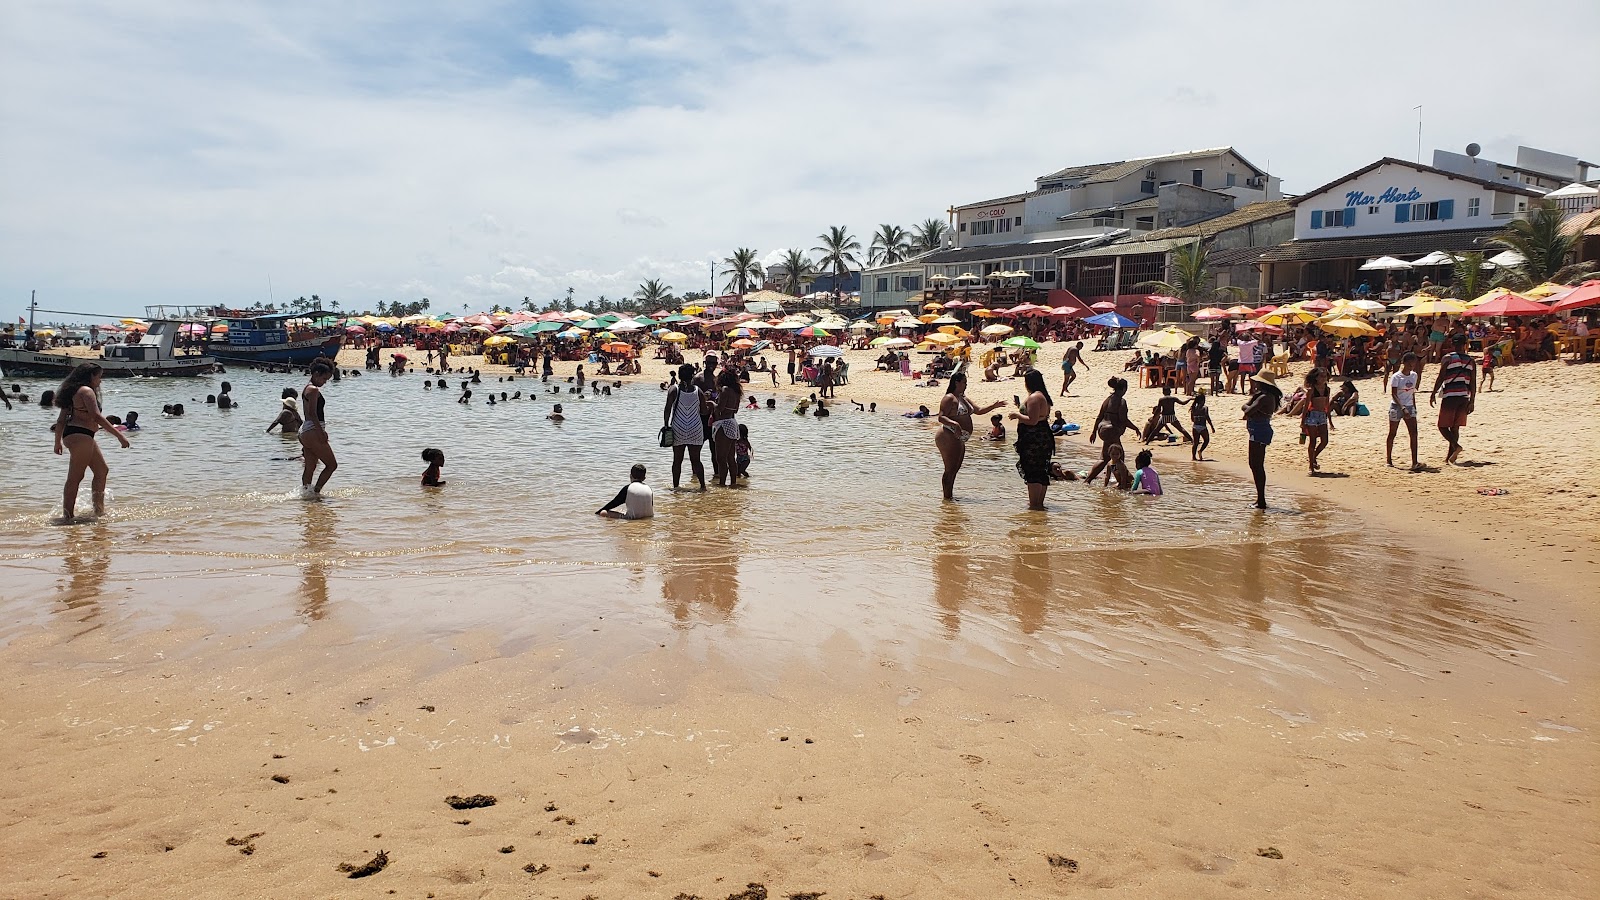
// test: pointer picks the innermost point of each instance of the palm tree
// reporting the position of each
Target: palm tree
(743, 268)
(928, 236)
(1192, 281)
(799, 271)
(654, 293)
(890, 245)
(839, 249)
(1542, 245)
(1466, 278)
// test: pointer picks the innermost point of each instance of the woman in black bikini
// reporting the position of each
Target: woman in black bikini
(80, 418)
(314, 432)
(1110, 425)
(955, 429)
(1035, 444)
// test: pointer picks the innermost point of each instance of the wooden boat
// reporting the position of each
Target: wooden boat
(268, 340)
(152, 357)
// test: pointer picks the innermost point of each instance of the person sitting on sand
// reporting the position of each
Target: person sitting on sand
(997, 429)
(1347, 399)
(555, 414)
(1145, 479)
(1058, 425)
(434, 457)
(635, 498)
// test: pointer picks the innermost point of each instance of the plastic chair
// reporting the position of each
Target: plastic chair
(1279, 365)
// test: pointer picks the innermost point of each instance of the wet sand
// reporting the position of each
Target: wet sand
(860, 767)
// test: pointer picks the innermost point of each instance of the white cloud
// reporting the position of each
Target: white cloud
(180, 151)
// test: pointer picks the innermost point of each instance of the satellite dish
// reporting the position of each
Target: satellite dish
(1473, 150)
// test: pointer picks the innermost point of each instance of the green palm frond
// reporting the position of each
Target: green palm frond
(1545, 250)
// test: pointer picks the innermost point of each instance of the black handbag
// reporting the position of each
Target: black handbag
(666, 436)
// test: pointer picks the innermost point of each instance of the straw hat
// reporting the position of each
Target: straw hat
(1266, 378)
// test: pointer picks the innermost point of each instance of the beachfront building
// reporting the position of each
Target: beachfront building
(1542, 170)
(1113, 271)
(1077, 206)
(1389, 208)
(894, 285)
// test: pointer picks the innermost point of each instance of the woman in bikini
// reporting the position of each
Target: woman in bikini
(314, 433)
(80, 418)
(1111, 424)
(1315, 419)
(955, 429)
(725, 427)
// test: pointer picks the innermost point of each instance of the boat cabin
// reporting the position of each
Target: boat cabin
(156, 343)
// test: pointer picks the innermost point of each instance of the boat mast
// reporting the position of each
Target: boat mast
(33, 304)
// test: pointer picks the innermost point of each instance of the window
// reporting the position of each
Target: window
(883, 285)
(1147, 187)
(1197, 177)
(1018, 222)
(963, 227)
(1372, 208)
(1144, 223)
(1472, 207)
(1232, 179)
(1424, 212)
(1044, 276)
(1334, 218)
(1002, 224)
(910, 282)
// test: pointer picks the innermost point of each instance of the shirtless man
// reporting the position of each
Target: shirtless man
(1069, 366)
(1111, 424)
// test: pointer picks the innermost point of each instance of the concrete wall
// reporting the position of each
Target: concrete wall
(1181, 204)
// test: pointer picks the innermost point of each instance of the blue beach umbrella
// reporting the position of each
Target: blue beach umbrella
(1111, 320)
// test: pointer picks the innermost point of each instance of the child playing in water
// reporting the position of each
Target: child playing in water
(636, 499)
(1145, 480)
(555, 415)
(434, 457)
(742, 452)
(997, 431)
(1117, 467)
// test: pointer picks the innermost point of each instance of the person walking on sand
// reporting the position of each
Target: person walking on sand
(1316, 418)
(682, 415)
(314, 433)
(1403, 407)
(1111, 424)
(78, 399)
(1069, 366)
(955, 429)
(1458, 379)
(1258, 410)
(1035, 444)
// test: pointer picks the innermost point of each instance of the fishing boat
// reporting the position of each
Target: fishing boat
(153, 356)
(269, 340)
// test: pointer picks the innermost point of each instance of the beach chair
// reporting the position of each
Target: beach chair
(1279, 365)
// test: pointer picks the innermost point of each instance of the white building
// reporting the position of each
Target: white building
(1389, 208)
(1541, 170)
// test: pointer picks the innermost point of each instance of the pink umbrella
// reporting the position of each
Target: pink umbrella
(1316, 306)
(354, 329)
(1586, 294)
(1161, 300)
(1261, 327)
(1509, 304)
(1104, 306)
(1210, 314)
(1069, 311)
(1263, 310)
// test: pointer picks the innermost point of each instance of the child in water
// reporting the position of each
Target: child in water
(997, 431)
(434, 457)
(635, 498)
(555, 415)
(742, 452)
(1145, 480)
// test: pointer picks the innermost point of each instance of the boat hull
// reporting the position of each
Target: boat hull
(25, 364)
(292, 353)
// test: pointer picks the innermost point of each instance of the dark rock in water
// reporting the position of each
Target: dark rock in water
(476, 801)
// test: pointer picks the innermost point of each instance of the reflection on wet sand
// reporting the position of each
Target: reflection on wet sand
(317, 522)
(1032, 586)
(85, 562)
(952, 575)
(700, 542)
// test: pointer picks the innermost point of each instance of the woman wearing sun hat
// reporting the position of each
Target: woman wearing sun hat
(1258, 410)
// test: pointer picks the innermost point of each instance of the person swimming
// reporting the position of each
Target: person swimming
(434, 457)
(555, 415)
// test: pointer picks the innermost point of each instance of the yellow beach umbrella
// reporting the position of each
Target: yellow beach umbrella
(1436, 307)
(1495, 294)
(1287, 315)
(996, 329)
(956, 330)
(693, 310)
(1165, 339)
(496, 341)
(1347, 327)
(941, 338)
(674, 337)
(1239, 311)
(1548, 289)
(933, 306)
(985, 313)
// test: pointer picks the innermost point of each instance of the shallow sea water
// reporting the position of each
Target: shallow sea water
(839, 539)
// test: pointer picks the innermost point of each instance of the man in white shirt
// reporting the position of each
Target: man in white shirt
(635, 498)
(1403, 406)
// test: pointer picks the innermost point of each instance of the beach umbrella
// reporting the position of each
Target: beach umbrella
(956, 330)
(1286, 315)
(620, 347)
(895, 343)
(1262, 310)
(497, 340)
(811, 331)
(933, 306)
(1168, 338)
(674, 337)
(1436, 258)
(1370, 306)
(941, 339)
(1316, 306)
(1260, 328)
(1435, 307)
(1210, 313)
(1586, 294)
(861, 326)
(1383, 264)
(354, 329)
(1160, 300)
(1347, 327)
(826, 351)
(1111, 320)
(1022, 341)
(1104, 306)
(1508, 304)
(1548, 289)
(1241, 311)
(996, 329)
(742, 344)
(946, 320)
(384, 327)
(985, 313)
(1495, 294)
(1506, 259)
(926, 318)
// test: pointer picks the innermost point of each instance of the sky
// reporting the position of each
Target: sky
(478, 152)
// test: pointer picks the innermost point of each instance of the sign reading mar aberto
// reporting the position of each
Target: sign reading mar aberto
(1392, 195)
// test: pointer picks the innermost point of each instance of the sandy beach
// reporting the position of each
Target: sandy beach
(661, 759)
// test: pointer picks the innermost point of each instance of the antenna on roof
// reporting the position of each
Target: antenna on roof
(1418, 108)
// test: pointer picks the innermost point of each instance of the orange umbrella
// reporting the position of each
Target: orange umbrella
(622, 347)
(742, 344)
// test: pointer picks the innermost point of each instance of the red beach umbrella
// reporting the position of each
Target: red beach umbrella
(1509, 305)
(1586, 294)
(1104, 306)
